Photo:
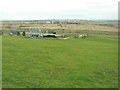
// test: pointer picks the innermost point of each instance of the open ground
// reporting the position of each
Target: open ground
(57, 63)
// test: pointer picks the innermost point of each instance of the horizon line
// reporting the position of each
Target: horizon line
(52, 19)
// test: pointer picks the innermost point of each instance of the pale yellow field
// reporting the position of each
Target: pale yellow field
(77, 27)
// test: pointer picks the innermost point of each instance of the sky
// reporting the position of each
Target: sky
(58, 9)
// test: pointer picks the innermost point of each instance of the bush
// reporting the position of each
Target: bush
(24, 34)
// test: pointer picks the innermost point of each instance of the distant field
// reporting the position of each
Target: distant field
(90, 28)
(73, 63)
(78, 27)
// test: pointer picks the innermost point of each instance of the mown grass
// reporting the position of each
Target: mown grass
(0, 62)
(57, 63)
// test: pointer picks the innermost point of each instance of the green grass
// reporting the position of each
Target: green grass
(0, 62)
(57, 63)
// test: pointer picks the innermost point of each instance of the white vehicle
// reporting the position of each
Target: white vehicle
(35, 33)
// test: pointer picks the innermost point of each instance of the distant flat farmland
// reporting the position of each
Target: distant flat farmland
(84, 28)
(79, 27)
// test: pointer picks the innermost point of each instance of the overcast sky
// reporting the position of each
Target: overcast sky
(58, 9)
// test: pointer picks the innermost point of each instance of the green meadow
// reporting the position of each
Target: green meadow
(57, 63)
(0, 62)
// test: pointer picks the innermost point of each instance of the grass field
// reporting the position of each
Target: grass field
(0, 62)
(57, 63)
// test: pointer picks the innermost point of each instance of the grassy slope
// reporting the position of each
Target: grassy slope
(90, 62)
